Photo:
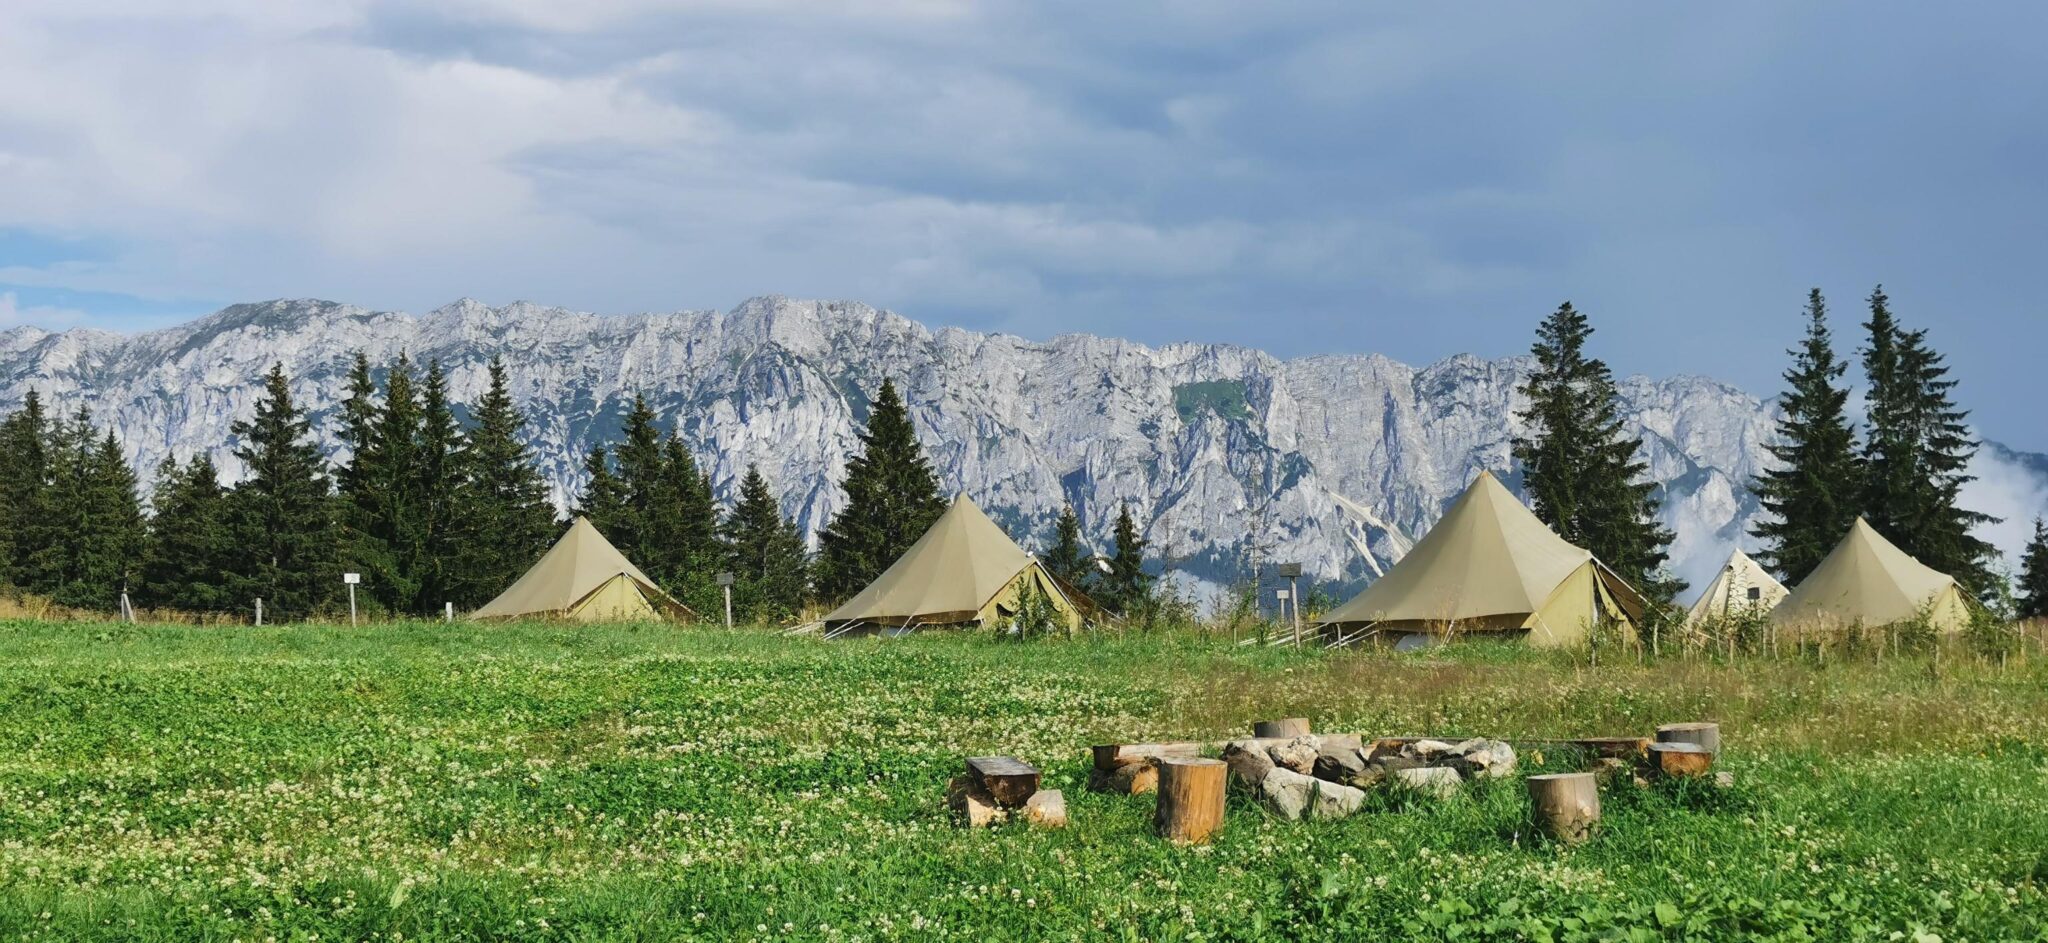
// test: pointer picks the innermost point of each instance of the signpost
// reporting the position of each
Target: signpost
(725, 581)
(1292, 594)
(351, 579)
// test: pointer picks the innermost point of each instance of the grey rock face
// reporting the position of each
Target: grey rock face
(1224, 454)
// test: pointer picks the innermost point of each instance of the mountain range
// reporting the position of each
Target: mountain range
(1226, 455)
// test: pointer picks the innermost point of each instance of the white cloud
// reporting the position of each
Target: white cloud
(13, 314)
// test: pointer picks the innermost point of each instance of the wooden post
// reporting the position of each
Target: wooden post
(1566, 805)
(259, 610)
(1703, 734)
(1285, 728)
(1190, 799)
(448, 612)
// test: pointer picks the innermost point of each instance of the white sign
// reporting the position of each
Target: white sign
(1279, 594)
(351, 578)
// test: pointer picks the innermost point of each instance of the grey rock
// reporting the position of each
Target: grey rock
(1491, 759)
(1437, 781)
(1287, 793)
(1298, 754)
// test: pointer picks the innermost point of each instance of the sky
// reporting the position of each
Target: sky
(1416, 180)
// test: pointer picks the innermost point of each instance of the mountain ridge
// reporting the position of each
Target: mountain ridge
(1225, 452)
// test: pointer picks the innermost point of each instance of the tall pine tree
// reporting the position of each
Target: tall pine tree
(2033, 588)
(1811, 493)
(603, 499)
(892, 498)
(1126, 588)
(685, 528)
(24, 488)
(435, 479)
(280, 517)
(190, 550)
(504, 517)
(765, 553)
(1068, 558)
(1583, 472)
(96, 520)
(1917, 454)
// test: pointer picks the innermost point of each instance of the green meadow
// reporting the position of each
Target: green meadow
(533, 782)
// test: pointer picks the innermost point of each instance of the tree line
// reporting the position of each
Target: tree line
(1586, 477)
(433, 510)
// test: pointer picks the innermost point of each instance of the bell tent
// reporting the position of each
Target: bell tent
(1867, 580)
(963, 570)
(1490, 566)
(584, 578)
(1741, 587)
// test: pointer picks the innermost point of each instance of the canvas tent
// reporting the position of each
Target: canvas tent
(963, 570)
(1866, 580)
(1741, 587)
(584, 578)
(1490, 566)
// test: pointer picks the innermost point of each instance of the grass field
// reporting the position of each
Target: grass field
(425, 782)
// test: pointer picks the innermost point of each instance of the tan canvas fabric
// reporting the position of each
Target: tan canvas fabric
(579, 565)
(956, 572)
(1868, 580)
(618, 600)
(1491, 565)
(1729, 592)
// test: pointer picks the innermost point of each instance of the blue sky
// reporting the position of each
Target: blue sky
(1413, 179)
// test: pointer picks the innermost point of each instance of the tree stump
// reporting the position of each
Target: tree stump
(1190, 799)
(1680, 760)
(1706, 735)
(1286, 728)
(1566, 805)
(1010, 780)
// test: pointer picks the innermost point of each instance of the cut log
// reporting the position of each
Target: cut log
(1286, 728)
(1248, 761)
(1680, 760)
(1111, 757)
(1190, 799)
(1566, 805)
(1131, 779)
(976, 808)
(1010, 780)
(1047, 808)
(1704, 734)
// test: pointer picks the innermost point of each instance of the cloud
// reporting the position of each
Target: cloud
(15, 314)
(1315, 176)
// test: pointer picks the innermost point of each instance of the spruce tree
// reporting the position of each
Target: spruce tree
(685, 528)
(1068, 558)
(1918, 454)
(437, 465)
(280, 522)
(185, 566)
(642, 483)
(24, 488)
(2033, 588)
(359, 482)
(892, 498)
(603, 499)
(765, 553)
(1583, 472)
(1811, 493)
(95, 517)
(1126, 588)
(504, 517)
